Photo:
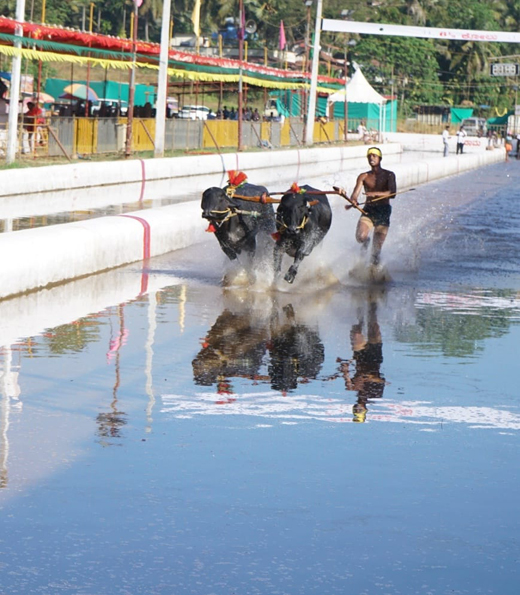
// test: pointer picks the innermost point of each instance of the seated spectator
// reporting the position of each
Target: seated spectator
(147, 110)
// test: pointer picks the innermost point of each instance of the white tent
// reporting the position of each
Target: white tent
(358, 90)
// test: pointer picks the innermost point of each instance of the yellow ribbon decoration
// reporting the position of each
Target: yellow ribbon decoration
(31, 54)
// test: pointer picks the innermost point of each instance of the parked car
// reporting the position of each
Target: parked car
(110, 107)
(475, 126)
(194, 112)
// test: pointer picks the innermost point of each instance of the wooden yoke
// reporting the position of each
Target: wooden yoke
(264, 199)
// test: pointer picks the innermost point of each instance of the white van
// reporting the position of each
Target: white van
(475, 126)
(194, 112)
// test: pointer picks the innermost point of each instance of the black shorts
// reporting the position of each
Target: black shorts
(378, 214)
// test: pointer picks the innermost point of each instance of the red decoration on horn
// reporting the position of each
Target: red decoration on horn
(295, 188)
(236, 177)
(211, 228)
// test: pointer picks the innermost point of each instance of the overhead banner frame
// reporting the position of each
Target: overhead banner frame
(441, 34)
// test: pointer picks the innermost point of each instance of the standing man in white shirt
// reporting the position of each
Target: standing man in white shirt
(445, 137)
(461, 137)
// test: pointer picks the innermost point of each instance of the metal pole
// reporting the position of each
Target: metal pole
(311, 112)
(162, 83)
(345, 132)
(392, 102)
(240, 58)
(131, 90)
(307, 54)
(14, 94)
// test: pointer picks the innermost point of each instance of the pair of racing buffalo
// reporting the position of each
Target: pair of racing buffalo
(302, 219)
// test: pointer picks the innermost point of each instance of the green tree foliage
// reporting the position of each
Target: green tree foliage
(410, 63)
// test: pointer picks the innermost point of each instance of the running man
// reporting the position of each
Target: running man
(379, 185)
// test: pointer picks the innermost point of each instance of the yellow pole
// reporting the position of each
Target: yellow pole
(220, 45)
(91, 16)
(44, 2)
(171, 31)
(265, 55)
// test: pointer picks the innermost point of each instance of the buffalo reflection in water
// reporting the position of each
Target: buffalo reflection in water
(233, 347)
(296, 352)
(247, 341)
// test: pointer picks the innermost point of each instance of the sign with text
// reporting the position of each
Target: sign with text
(503, 69)
(426, 32)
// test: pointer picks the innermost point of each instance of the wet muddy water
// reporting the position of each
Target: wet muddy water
(164, 435)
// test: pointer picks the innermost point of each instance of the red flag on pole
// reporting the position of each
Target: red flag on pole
(283, 41)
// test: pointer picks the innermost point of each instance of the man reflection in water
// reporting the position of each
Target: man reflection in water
(368, 357)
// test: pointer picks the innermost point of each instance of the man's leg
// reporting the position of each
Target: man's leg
(363, 230)
(380, 233)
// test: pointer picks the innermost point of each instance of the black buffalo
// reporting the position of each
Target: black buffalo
(236, 222)
(302, 221)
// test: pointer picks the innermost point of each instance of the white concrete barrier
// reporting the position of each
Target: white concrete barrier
(46, 256)
(50, 255)
(85, 174)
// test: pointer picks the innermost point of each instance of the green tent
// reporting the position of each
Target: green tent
(104, 89)
(500, 120)
(368, 112)
(460, 113)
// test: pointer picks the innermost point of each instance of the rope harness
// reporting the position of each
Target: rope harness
(282, 225)
(232, 212)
